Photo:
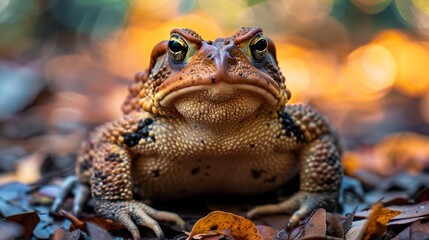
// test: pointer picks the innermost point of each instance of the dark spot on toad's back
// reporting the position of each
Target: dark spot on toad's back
(195, 170)
(85, 165)
(155, 173)
(291, 129)
(256, 174)
(131, 139)
(112, 157)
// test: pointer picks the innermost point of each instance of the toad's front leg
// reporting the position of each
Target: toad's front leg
(320, 167)
(105, 164)
(111, 186)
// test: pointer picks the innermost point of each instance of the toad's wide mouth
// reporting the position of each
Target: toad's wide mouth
(219, 92)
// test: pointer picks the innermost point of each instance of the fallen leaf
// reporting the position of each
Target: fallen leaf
(107, 224)
(266, 232)
(10, 230)
(274, 221)
(419, 230)
(240, 227)
(407, 211)
(215, 235)
(63, 234)
(347, 224)
(377, 221)
(403, 235)
(97, 233)
(333, 226)
(396, 201)
(13, 199)
(422, 196)
(28, 221)
(405, 221)
(355, 230)
(296, 233)
(316, 225)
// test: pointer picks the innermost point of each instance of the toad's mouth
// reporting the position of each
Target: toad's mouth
(218, 92)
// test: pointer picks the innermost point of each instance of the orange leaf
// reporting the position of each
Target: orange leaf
(240, 227)
(377, 221)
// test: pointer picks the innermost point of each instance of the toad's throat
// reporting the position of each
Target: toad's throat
(218, 92)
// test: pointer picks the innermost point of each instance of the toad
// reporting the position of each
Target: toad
(207, 117)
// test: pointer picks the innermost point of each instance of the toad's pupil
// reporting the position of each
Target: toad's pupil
(175, 46)
(261, 45)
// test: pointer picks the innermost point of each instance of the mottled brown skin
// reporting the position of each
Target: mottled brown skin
(209, 118)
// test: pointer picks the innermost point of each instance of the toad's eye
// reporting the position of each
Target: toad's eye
(258, 47)
(177, 48)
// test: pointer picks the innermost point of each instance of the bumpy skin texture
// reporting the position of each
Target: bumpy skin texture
(210, 118)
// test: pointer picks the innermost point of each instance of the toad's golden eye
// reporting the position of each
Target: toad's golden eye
(177, 48)
(258, 47)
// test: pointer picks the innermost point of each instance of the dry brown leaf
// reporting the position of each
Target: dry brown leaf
(419, 230)
(215, 235)
(266, 232)
(63, 234)
(347, 223)
(97, 233)
(403, 235)
(107, 224)
(422, 196)
(28, 220)
(10, 230)
(377, 221)
(407, 211)
(316, 226)
(405, 221)
(333, 226)
(240, 227)
(355, 230)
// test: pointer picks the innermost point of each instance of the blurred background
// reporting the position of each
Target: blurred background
(65, 66)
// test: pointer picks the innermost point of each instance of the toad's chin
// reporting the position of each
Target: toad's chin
(221, 103)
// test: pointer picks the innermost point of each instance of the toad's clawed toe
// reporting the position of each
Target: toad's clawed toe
(133, 213)
(299, 205)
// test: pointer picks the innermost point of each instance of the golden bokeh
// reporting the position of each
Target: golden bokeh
(340, 62)
(371, 70)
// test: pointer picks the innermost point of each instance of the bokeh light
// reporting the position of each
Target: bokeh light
(372, 6)
(371, 70)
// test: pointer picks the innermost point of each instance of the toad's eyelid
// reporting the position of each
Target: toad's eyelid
(258, 37)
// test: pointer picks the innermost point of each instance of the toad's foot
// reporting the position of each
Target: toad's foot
(80, 191)
(130, 213)
(299, 205)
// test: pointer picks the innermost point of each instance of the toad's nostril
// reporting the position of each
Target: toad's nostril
(231, 59)
(209, 56)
